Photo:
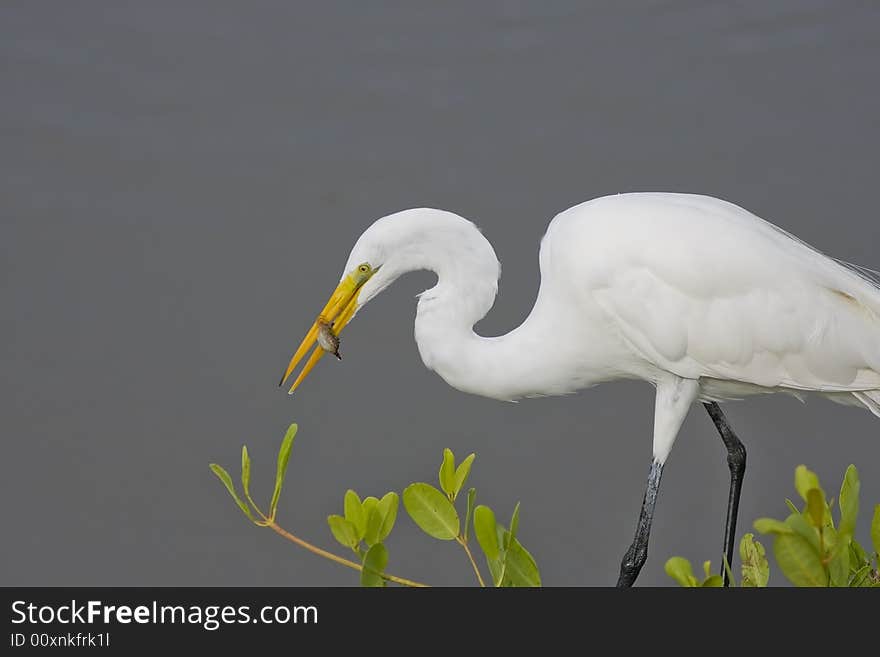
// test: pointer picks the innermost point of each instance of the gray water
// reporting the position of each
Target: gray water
(182, 182)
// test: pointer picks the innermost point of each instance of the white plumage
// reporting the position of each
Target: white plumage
(693, 294)
(705, 290)
(642, 286)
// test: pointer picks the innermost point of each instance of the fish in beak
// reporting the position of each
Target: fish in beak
(324, 334)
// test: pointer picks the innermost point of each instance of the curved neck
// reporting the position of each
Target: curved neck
(524, 362)
(506, 367)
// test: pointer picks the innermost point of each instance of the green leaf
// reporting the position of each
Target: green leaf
(520, 568)
(829, 518)
(801, 526)
(816, 507)
(369, 504)
(387, 507)
(772, 526)
(354, 512)
(857, 556)
(679, 569)
(791, 506)
(431, 510)
(447, 473)
(713, 582)
(374, 526)
(344, 531)
(875, 529)
(496, 569)
(514, 524)
(804, 480)
(830, 542)
(707, 568)
(245, 470)
(223, 476)
(515, 566)
(798, 560)
(462, 472)
(283, 458)
(849, 501)
(861, 577)
(731, 581)
(755, 568)
(374, 564)
(838, 566)
(472, 495)
(486, 531)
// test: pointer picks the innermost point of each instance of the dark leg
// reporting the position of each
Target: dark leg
(736, 461)
(635, 557)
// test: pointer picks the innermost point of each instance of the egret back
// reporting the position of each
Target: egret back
(703, 288)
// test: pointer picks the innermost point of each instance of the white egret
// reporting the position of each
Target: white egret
(692, 294)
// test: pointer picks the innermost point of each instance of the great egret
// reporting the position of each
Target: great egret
(692, 294)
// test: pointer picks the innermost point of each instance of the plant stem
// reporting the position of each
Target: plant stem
(463, 543)
(271, 524)
(254, 504)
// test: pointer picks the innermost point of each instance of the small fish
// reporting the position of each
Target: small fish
(327, 340)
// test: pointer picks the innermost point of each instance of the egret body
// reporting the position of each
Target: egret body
(695, 295)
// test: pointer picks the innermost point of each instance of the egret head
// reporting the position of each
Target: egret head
(420, 238)
(363, 277)
(337, 312)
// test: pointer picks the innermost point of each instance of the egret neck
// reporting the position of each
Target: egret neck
(467, 282)
(486, 366)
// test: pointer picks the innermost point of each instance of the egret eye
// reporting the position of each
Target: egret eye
(364, 268)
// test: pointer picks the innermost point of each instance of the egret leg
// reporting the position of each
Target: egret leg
(674, 398)
(637, 553)
(736, 461)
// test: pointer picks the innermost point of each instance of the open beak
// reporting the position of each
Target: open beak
(335, 315)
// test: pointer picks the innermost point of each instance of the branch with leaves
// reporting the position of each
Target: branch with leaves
(809, 547)
(366, 524)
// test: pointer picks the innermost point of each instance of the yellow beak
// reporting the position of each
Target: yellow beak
(335, 315)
